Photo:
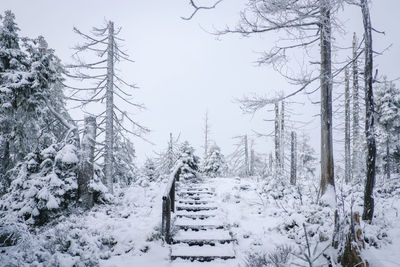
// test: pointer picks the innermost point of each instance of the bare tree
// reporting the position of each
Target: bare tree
(306, 24)
(104, 43)
(347, 160)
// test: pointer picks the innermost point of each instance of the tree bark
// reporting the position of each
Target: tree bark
(283, 136)
(368, 211)
(86, 170)
(327, 167)
(356, 115)
(277, 141)
(109, 138)
(347, 164)
(246, 156)
(293, 159)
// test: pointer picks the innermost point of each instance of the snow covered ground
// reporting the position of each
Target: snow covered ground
(126, 232)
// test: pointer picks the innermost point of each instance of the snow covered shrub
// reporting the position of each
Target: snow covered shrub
(278, 258)
(45, 184)
(188, 161)
(214, 164)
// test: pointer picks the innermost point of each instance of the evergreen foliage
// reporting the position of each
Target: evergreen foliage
(215, 162)
(188, 160)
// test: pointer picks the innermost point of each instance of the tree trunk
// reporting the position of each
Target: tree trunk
(109, 138)
(388, 163)
(277, 141)
(356, 115)
(293, 159)
(252, 159)
(246, 156)
(206, 132)
(347, 164)
(283, 136)
(86, 169)
(170, 154)
(368, 211)
(327, 167)
(5, 163)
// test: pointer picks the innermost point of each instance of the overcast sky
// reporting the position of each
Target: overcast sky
(183, 71)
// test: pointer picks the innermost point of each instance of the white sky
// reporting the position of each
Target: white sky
(182, 71)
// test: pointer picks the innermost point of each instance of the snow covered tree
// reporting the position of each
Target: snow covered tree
(45, 183)
(215, 162)
(13, 68)
(149, 170)
(188, 160)
(125, 171)
(238, 161)
(307, 158)
(388, 119)
(104, 43)
(30, 79)
(166, 159)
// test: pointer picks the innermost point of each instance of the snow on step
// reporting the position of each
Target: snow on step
(195, 202)
(195, 208)
(195, 222)
(205, 252)
(214, 263)
(210, 234)
(195, 192)
(181, 213)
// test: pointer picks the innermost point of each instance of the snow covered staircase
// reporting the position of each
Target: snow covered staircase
(198, 233)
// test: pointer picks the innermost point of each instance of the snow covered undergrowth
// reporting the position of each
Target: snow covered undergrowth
(117, 234)
(266, 217)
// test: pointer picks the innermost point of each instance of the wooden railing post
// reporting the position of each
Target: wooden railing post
(172, 197)
(168, 205)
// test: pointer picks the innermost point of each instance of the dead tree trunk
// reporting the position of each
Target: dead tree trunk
(327, 167)
(206, 133)
(109, 138)
(388, 163)
(246, 155)
(86, 168)
(283, 136)
(368, 211)
(277, 141)
(252, 159)
(347, 163)
(356, 115)
(170, 154)
(293, 159)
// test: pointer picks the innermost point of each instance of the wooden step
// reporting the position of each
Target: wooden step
(192, 193)
(202, 253)
(195, 208)
(185, 213)
(194, 202)
(195, 216)
(211, 236)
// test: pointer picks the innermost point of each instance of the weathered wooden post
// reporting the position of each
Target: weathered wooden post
(86, 170)
(172, 196)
